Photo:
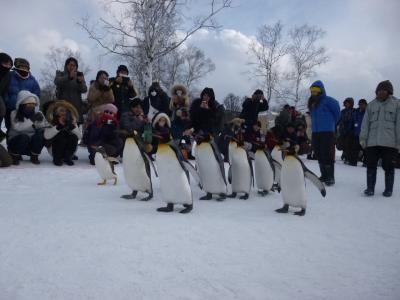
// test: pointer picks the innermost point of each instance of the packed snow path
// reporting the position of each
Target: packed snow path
(64, 237)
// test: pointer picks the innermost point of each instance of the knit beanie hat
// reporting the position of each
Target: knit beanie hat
(386, 86)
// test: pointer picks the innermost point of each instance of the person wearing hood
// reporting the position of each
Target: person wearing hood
(206, 114)
(103, 132)
(99, 93)
(251, 107)
(70, 85)
(156, 101)
(25, 136)
(380, 136)
(325, 114)
(63, 134)
(6, 64)
(21, 79)
(123, 89)
(344, 129)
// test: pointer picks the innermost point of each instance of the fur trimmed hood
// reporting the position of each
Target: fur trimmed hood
(53, 107)
(158, 116)
(184, 97)
(25, 96)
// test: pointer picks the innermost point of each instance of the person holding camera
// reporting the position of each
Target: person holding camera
(70, 85)
(123, 89)
(251, 107)
(25, 136)
(63, 135)
(103, 132)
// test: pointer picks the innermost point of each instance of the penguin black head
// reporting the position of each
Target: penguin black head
(289, 147)
(201, 137)
(102, 151)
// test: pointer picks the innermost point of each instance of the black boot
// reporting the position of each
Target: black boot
(168, 208)
(283, 209)
(389, 181)
(371, 179)
(187, 208)
(330, 174)
(207, 197)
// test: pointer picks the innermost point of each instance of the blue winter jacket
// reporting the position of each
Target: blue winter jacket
(356, 120)
(18, 84)
(326, 115)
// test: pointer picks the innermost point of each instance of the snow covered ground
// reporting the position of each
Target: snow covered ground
(64, 237)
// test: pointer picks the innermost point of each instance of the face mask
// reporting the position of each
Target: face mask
(106, 82)
(179, 93)
(153, 93)
(23, 74)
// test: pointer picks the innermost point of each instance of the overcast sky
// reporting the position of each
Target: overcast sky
(362, 39)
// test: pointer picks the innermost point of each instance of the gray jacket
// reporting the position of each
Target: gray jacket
(381, 124)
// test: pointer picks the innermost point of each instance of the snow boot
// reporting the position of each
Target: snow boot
(206, 197)
(187, 208)
(389, 181)
(168, 208)
(284, 209)
(371, 179)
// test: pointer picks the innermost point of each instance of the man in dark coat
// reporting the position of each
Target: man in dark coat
(71, 85)
(251, 107)
(344, 128)
(123, 89)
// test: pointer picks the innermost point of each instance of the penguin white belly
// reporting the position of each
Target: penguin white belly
(134, 168)
(103, 167)
(174, 184)
(241, 173)
(277, 154)
(293, 183)
(263, 171)
(209, 170)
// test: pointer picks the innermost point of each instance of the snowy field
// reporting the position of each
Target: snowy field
(64, 237)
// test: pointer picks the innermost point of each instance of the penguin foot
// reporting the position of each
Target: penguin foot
(302, 212)
(168, 208)
(150, 196)
(131, 196)
(188, 208)
(283, 210)
(233, 195)
(263, 193)
(244, 197)
(104, 182)
(206, 197)
(221, 197)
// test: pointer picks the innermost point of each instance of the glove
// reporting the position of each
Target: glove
(362, 144)
(38, 117)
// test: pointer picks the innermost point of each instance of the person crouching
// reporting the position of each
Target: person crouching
(63, 135)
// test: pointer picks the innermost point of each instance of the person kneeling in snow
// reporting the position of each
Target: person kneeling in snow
(103, 132)
(63, 135)
(25, 136)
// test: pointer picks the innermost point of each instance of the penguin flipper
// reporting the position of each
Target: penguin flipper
(150, 163)
(270, 160)
(191, 169)
(230, 174)
(277, 173)
(315, 180)
(219, 159)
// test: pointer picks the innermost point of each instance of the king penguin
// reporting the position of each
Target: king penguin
(105, 166)
(136, 166)
(264, 170)
(210, 166)
(292, 180)
(240, 172)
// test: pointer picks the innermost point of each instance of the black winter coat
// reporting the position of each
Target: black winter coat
(251, 109)
(207, 120)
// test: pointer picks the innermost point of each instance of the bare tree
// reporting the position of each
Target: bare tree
(55, 60)
(232, 103)
(268, 50)
(305, 56)
(149, 29)
(186, 66)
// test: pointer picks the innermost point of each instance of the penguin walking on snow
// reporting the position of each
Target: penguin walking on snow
(136, 165)
(172, 168)
(240, 174)
(292, 180)
(105, 166)
(264, 170)
(210, 166)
